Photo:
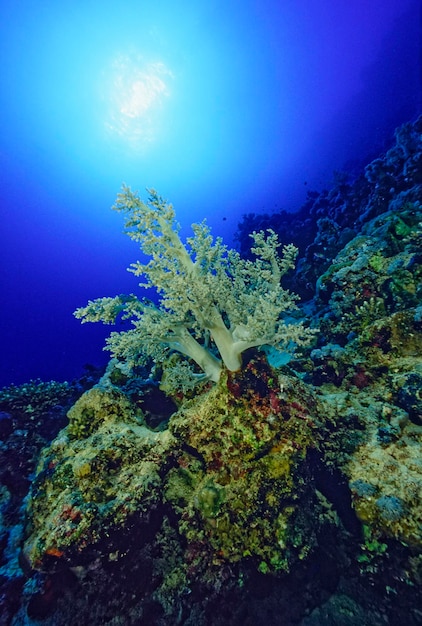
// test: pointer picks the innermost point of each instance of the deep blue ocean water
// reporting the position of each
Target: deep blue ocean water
(224, 107)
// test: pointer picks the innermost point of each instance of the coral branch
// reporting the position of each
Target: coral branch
(212, 300)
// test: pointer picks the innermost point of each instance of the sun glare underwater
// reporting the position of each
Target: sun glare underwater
(224, 108)
(137, 94)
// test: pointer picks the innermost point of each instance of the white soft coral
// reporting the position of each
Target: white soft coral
(213, 305)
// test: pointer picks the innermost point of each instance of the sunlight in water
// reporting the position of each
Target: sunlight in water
(136, 92)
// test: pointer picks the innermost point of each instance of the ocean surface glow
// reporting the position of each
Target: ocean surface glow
(136, 92)
(225, 108)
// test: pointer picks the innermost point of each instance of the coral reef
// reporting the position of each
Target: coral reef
(99, 475)
(250, 496)
(31, 415)
(232, 473)
(333, 217)
(288, 490)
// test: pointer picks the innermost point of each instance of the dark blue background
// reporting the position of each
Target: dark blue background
(225, 107)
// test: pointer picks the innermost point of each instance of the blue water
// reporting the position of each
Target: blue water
(224, 107)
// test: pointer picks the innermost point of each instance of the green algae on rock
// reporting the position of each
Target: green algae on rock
(92, 481)
(250, 495)
(232, 467)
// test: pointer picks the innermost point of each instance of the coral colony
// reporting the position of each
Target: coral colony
(207, 478)
(214, 305)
